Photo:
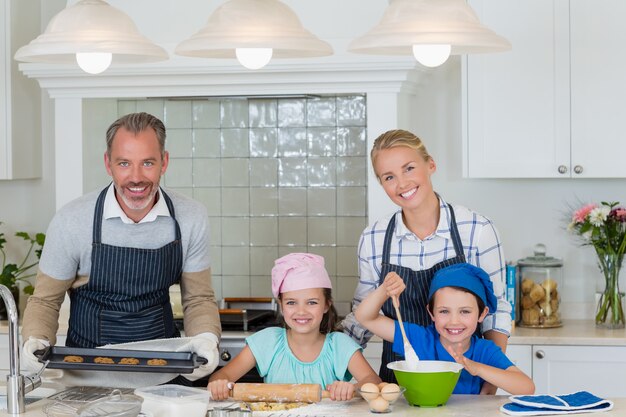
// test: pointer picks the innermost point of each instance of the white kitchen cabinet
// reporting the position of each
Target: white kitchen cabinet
(521, 356)
(373, 353)
(550, 107)
(20, 97)
(565, 369)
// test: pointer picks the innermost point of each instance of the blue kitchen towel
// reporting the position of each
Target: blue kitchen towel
(538, 405)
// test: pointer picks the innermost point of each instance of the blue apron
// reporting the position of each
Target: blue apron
(414, 299)
(127, 296)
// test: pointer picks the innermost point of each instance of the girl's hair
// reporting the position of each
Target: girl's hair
(398, 137)
(479, 301)
(330, 320)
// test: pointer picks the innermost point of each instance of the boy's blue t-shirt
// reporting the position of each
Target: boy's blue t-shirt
(427, 346)
(276, 362)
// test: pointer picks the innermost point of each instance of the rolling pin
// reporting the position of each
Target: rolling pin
(276, 393)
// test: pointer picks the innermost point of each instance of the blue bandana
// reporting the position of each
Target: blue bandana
(466, 276)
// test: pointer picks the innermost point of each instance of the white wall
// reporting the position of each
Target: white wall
(28, 205)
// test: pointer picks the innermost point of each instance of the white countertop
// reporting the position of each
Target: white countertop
(458, 405)
(573, 332)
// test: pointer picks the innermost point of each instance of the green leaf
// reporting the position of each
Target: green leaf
(29, 289)
(23, 235)
(40, 238)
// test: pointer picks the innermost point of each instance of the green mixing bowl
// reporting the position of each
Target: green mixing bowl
(428, 383)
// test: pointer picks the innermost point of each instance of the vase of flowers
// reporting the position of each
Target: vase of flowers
(603, 226)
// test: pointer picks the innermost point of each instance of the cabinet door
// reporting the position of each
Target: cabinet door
(373, 353)
(566, 369)
(598, 87)
(522, 357)
(516, 103)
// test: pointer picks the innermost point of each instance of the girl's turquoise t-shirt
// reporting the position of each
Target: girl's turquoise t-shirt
(277, 364)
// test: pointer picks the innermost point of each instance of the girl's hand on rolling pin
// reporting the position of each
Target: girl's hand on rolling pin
(394, 285)
(220, 389)
(341, 391)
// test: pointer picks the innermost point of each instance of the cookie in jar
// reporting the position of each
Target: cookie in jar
(540, 284)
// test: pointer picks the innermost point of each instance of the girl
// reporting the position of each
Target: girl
(460, 298)
(306, 350)
(423, 236)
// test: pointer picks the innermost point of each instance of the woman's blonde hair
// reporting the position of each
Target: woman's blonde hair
(398, 137)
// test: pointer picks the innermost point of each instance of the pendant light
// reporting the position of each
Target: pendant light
(92, 34)
(431, 30)
(254, 32)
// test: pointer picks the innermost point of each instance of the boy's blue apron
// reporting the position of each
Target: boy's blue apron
(127, 296)
(414, 299)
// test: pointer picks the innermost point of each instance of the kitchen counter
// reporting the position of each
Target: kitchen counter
(573, 332)
(458, 405)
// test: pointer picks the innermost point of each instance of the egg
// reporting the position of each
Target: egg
(382, 384)
(379, 405)
(390, 392)
(369, 391)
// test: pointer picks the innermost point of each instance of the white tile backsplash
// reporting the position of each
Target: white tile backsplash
(207, 143)
(177, 114)
(179, 143)
(154, 106)
(179, 173)
(206, 172)
(206, 113)
(276, 176)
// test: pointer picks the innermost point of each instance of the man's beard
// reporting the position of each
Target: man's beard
(137, 203)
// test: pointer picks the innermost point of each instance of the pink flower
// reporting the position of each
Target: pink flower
(581, 214)
(619, 214)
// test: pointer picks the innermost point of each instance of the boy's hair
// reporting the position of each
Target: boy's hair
(398, 137)
(479, 301)
(330, 320)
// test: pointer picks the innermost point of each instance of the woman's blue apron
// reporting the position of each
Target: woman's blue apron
(414, 299)
(127, 296)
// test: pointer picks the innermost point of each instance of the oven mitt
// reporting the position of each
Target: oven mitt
(28, 361)
(540, 405)
(205, 346)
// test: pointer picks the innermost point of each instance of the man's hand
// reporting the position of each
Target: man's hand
(29, 362)
(205, 346)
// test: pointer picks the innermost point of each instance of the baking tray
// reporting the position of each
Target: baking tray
(177, 362)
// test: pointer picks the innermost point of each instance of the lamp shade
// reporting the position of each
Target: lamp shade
(91, 26)
(429, 22)
(254, 24)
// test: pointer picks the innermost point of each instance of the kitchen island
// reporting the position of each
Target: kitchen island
(458, 405)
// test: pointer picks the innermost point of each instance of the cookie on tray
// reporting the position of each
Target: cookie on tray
(102, 359)
(129, 361)
(157, 362)
(73, 359)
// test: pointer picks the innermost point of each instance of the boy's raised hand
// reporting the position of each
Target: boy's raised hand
(456, 351)
(393, 284)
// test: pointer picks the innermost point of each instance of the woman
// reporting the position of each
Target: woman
(425, 235)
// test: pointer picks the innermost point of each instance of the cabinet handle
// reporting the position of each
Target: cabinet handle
(540, 354)
(578, 169)
(562, 169)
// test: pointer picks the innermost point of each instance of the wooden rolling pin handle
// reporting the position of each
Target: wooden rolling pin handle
(304, 393)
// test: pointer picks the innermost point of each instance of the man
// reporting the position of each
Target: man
(118, 251)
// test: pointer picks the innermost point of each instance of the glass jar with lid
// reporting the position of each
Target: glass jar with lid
(541, 279)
